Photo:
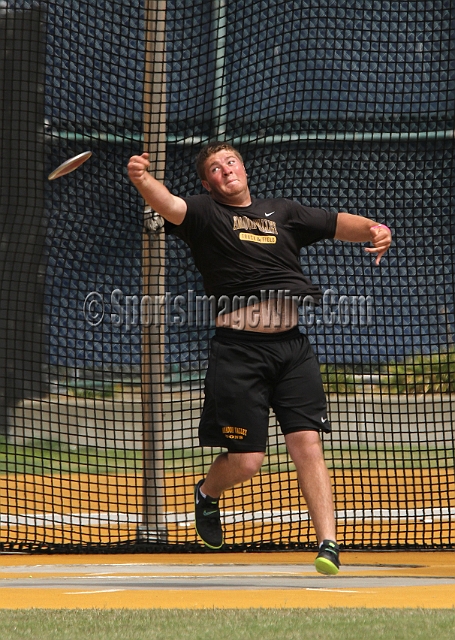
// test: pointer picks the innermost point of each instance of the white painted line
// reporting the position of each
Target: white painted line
(97, 519)
(83, 593)
(336, 590)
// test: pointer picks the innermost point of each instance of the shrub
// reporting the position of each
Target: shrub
(422, 374)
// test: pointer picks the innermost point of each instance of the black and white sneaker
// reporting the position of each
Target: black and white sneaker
(328, 561)
(207, 519)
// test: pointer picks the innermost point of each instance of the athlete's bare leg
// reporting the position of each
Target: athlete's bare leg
(305, 449)
(231, 469)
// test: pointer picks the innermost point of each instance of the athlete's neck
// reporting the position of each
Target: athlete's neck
(234, 201)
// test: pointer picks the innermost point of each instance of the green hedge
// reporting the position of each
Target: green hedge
(418, 374)
(421, 374)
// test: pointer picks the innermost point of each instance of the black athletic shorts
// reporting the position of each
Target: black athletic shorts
(250, 372)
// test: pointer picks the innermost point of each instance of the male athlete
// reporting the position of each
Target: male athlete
(247, 250)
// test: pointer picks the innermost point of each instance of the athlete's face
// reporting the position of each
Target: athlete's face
(226, 179)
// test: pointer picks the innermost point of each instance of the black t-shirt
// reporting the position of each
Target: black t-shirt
(244, 251)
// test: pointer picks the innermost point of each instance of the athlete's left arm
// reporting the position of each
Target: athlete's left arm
(351, 228)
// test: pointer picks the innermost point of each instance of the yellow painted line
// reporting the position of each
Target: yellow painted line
(32, 559)
(437, 597)
(370, 558)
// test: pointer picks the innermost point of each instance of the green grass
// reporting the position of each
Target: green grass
(393, 457)
(251, 624)
(419, 456)
(46, 457)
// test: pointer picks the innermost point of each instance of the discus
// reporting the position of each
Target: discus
(69, 165)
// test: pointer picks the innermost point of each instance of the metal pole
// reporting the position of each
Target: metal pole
(153, 527)
(220, 88)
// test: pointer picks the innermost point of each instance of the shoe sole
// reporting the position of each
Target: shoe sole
(210, 546)
(326, 567)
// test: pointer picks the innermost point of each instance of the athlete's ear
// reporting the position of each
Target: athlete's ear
(205, 184)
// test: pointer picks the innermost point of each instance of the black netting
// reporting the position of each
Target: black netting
(348, 106)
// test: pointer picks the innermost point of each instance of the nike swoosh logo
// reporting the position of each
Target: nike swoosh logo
(269, 214)
(209, 513)
(324, 420)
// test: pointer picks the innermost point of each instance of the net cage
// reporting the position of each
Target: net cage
(104, 328)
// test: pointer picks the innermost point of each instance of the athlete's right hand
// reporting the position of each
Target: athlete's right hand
(138, 168)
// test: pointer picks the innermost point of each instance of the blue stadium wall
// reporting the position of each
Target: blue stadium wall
(321, 69)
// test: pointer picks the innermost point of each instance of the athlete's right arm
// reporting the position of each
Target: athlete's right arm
(155, 193)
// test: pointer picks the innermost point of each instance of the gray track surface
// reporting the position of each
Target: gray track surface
(137, 576)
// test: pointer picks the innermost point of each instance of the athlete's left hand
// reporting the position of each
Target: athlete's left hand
(381, 239)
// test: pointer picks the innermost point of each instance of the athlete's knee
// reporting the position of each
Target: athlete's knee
(305, 444)
(248, 462)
